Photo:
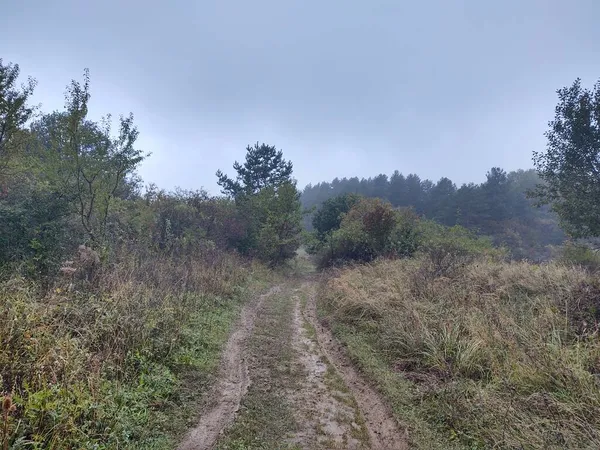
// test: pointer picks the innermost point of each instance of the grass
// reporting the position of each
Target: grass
(266, 417)
(488, 354)
(121, 362)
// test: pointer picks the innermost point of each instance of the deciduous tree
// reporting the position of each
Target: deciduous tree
(570, 166)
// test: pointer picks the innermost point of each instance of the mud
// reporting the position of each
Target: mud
(232, 384)
(334, 407)
(326, 412)
(384, 431)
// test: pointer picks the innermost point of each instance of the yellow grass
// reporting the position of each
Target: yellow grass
(492, 354)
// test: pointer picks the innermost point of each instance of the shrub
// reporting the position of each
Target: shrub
(448, 248)
(580, 255)
(329, 216)
(370, 229)
(406, 237)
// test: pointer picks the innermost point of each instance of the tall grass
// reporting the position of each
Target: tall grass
(101, 364)
(489, 354)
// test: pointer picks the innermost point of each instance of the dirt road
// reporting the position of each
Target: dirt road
(285, 383)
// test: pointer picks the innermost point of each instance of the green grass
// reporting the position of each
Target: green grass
(195, 364)
(124, 365)
(399, 392)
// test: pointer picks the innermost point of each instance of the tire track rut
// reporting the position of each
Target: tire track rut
(232, 384)
(330, 404)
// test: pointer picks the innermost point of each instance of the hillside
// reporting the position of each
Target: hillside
(478, 354)
(413, 314)
(498, 207)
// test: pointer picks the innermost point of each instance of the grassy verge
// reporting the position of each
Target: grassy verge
(487, 355)
(122, 363)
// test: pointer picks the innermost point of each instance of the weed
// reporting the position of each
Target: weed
(120, 362)
(493, 354)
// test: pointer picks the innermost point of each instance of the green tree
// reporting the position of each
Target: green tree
(329, 217)
(266, 197)
(496, 194)
(380, 187)
(397, 190)
(82, 160)
(441, 202)
(365, 233)
(14, 111)
(570, 166)
(414, 192)
(264, 167)
(279, 234)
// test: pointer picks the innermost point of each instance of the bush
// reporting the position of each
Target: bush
(372, 229)
(329, 216)
(273, 223)
(406, 237)
(580, 255)
(448, 248)
(364, 233)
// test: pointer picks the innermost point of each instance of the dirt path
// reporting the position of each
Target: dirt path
(383, 429)
(286, 384)
(232, 385)
(324, 407)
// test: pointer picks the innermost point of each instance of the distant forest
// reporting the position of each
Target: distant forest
(498, 208)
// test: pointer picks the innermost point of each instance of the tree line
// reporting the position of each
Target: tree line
(499, 207)
(68, 181)
(526, 210)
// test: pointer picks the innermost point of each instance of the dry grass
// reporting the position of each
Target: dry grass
(101, 364)
(489, 354)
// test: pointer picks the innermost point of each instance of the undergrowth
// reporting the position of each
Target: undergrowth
(120, 362)
(485, 354)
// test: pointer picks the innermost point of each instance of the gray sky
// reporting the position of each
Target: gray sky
(345, 88)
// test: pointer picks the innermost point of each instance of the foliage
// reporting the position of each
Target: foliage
(65, 183)
(371, 228)
(579, 254)
(269, 203)
(498, 207)
(450, 248)
(273, 223)
(264, 167)
(36, 228)
(183, 222)
(14, 112)
(329, 216)
(489, 355)
(279, 234)
(102, 366)
(83, 161)
(570, 166)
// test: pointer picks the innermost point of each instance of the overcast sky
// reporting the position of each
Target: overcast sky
(344, 88)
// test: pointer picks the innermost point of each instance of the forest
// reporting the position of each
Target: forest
(117, 298)
(499, 208)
